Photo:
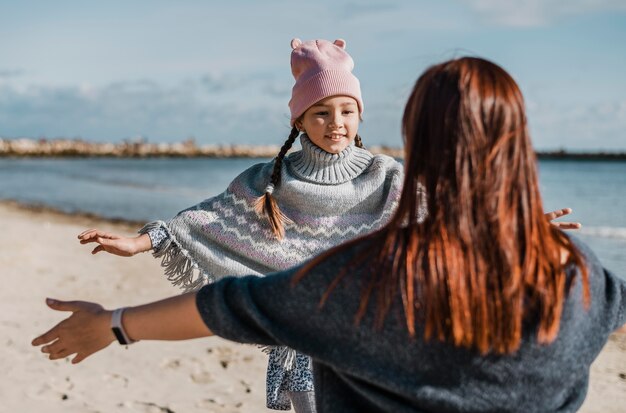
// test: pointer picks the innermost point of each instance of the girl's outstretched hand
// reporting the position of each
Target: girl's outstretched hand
(551, 216)
(83, 333)
(115, 244)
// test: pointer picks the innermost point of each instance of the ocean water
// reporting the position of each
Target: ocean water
(148, 189)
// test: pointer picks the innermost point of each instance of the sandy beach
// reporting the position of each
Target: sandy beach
(41, 257)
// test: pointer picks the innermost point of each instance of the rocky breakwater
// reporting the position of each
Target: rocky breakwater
(26, 147)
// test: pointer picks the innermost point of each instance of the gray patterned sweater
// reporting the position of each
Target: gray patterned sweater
(331, 198)
(362, 369)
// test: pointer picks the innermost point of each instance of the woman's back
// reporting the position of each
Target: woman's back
(361, 368)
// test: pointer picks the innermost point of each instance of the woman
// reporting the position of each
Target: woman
(482, 306)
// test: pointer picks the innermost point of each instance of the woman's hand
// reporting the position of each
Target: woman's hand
(115, 244)
(551, 216)
(85, 332)
(88, 329)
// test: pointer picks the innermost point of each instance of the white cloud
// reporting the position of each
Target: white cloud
(197, 107)
(531, 13)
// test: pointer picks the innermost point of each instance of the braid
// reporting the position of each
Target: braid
(266, 204)
(278, 162)
(358, 142)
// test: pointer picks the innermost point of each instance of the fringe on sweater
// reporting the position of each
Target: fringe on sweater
(180, 268)
(285, 356)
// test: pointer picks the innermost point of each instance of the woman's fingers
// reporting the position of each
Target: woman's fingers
(98, 249)
(58, 350)
(60, 354)
(85, 332)
(47, 337)
(55, 332)
(558, 213)
(73, 306)
(567, 225)
(551, 216)
(54, 347)
(80, 357)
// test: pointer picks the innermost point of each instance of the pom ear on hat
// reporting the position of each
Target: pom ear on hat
(295, 43)
(340, 42)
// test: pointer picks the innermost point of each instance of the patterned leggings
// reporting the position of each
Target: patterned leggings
(302, 401)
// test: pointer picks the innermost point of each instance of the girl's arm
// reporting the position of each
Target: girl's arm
(88, 329)
(115, 244)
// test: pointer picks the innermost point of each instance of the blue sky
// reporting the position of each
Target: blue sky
(219, 71)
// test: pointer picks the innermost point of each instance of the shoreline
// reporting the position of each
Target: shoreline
(79, 217)
(78, 148)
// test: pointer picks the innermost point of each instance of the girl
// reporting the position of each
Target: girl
(276, 215)
(327, 193)
(481, 306)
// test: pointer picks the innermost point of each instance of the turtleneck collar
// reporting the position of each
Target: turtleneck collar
(314, 164)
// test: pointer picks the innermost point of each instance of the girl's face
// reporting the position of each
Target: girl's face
(332, 123)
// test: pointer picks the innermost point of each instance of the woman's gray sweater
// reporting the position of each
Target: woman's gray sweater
(358, 368)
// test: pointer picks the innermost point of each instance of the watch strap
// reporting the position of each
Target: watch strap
(118, 328)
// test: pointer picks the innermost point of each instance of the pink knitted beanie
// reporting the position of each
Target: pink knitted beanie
(321, 69)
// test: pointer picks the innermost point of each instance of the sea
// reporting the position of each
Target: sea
(142, 190)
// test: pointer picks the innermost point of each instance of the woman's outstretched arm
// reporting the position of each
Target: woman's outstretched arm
(88, 329)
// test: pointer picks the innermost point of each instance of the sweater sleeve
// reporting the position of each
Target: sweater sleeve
(615, 293)
(608, 291)
(273, 310)
(157, 236)
(252, 309)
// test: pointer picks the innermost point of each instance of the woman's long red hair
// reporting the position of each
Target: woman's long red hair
(485, 258)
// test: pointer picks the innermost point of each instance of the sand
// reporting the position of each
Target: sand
(41, 257)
